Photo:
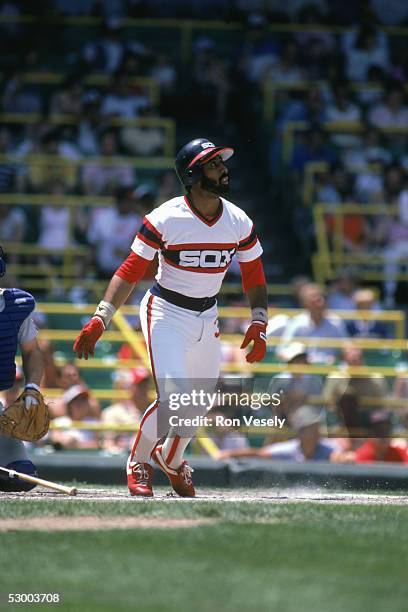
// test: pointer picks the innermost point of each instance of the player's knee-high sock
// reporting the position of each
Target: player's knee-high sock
(147, 436)
(173, 450)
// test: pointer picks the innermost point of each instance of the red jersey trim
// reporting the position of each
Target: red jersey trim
(199, 270)
(248, 246)
(149, 243)
(200, 245)
(200, 216)
(152, 228)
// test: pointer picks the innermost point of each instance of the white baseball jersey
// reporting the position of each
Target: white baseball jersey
(194, 253)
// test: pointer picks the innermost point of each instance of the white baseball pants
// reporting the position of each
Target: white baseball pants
(184, 348)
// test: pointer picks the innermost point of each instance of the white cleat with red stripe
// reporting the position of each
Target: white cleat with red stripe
(139, 478)
(180, 479)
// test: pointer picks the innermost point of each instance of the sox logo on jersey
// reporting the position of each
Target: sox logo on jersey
(194, 253)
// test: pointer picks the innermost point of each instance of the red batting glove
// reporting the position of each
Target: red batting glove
(84, 345)
(256, 332)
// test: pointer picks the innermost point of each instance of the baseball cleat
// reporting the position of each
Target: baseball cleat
(180, 479)
(139, 478)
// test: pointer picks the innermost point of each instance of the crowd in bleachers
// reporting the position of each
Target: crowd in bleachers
(76, 122)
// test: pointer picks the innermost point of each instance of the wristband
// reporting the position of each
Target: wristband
(105, 311)
(32, 386)
(260, 314)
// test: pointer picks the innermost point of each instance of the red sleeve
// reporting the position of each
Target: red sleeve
(133, 268)
(252, 273)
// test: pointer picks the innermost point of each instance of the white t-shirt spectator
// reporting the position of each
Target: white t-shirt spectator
(358, 61)
(382, 116)
(54, 227)
(12, 227)
(112, 234)
(123, 106)
(98, 178)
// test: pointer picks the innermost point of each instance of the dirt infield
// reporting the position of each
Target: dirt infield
(273, 496)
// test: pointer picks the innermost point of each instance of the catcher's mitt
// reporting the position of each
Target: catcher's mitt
(29, 425)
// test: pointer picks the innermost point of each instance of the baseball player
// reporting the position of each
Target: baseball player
(196, 236)
(17, 328)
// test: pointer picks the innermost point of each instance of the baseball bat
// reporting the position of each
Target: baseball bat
(40, 481)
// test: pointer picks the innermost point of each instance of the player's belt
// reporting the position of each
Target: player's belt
(178, 299)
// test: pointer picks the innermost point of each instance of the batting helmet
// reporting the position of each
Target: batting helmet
(190, 158)
(2, 263)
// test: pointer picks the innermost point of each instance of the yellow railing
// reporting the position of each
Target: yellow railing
(186, 28)
(155, 163)
(167, 125)
(311, 169)
(392, 316)
(331, 255)
(292, 127)
(272, 88)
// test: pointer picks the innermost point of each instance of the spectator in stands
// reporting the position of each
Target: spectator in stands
(348, 394)
(78, 409)
(59, 164)
(392, 112)
(164, 72)
(379, 446)
(69, 99)
(210, 81)
(295, 388)
(364, 49)
(99, 178)
(66, 377)
(106, 53)
(342, 110)
(168, 187)
(315, 323)
(341, 292)
(365, 299)
(314, 148)
(312, 109)
(336, 187)
(144, 139)
(91, 124)
(361, 156)
(226, 438)
(112, 231)
(127, 411)
(12, 226)
(259, 51)
(309, 445)
(19, 97)
(124, 99)
(286, 69)
(55, 223)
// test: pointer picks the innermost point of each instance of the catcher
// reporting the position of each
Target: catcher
(26, 418)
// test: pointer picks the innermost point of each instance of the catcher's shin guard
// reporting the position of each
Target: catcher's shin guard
(139, 479)
(15, 485)
(180, 479)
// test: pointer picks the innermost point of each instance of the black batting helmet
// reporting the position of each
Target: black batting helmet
(191, 157)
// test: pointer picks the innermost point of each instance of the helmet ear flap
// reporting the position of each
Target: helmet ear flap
(192, 175)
